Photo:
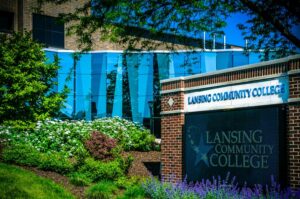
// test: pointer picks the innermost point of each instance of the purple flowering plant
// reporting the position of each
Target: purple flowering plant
(216, 188)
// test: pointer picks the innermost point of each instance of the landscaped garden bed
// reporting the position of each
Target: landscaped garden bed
(106, 158)
(87, 154)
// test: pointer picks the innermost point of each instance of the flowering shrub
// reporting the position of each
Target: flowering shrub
(130, 135)
(100, 146)
(216, 188)
(68, 137)
(53, 136)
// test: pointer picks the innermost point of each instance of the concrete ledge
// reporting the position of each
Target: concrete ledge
(292, 100)
(294, 72)
(171, 112)
(224, 83)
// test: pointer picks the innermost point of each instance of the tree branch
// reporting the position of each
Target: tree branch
(269, 18)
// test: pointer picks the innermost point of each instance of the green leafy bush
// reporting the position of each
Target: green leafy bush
(55, 162)
(135, 191)
(125, 182)
(100, 146)
(97, 170)
(27, 82)
(21, 154)
(79, 179)
(27, 155)
(102, 190)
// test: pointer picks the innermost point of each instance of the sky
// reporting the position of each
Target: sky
(233, 34)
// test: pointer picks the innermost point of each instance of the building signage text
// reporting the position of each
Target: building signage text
(260, 93)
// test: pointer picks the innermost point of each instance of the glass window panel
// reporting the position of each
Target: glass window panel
(178, 64)
(224, 60)
(208, 62)
(47, 31)
(67, 111)
(239, 59)
(192, 63)
(132, 67)
(163, 65)
(254, 58)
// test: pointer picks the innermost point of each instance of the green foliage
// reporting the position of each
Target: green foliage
(126, 182)
(26, 82)
(21, 154)
(26, 155)
(79, 179)
(55, 162)
(18, 183)
(135, 191)
(97, 170)
(270, 25)
(102, 190)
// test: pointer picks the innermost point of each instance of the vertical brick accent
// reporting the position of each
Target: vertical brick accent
(293, 146)
(293, 131)
(172, 134)
(171, 147)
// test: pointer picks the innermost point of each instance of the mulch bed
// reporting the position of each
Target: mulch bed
(138, 168)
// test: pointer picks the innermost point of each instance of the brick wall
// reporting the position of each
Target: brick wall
(171, 147)
(173, 116)
(23, 10)
(293, 145)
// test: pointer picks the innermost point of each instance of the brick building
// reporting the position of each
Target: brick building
(19, 15)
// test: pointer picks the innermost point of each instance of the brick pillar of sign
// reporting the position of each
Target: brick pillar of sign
(171, 134)
(173, 113)
(293, 131)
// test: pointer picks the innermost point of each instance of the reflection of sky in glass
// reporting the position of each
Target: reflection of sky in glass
(101, 86)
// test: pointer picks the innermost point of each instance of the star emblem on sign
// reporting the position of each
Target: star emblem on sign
(201, 149)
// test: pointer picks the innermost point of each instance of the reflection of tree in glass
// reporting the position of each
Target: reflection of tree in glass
(126, 108)
(110, 86)
(156, 96)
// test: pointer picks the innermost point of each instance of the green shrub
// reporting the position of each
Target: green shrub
(102, 190)
(125, 182)
(21, 154)
(25, 154)
(125, 163)
(97, 170)
(27, 82)
(135, 191)
(79, 179)
(55, 162)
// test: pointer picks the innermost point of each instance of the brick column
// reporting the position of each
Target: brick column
(293, 127)
(172, 134)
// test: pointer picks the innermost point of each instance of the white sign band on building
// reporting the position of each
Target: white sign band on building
(268, 92)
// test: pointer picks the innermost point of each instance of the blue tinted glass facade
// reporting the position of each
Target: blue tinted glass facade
(106, 84)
